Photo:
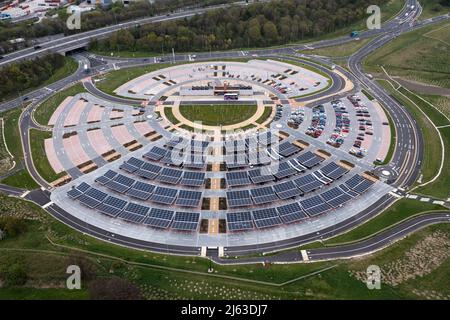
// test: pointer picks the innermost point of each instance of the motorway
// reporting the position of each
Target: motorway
(406, 160)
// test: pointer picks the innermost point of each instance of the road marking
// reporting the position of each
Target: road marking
(45, 206)
(395, 194)
(23, 195)
(304, 255)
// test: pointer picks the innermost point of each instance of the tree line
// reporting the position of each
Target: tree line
(255, 25)
(100, 17)
(20, 76)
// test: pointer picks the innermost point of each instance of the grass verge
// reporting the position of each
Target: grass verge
(40, 160)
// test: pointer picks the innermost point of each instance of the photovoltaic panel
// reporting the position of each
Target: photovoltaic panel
(193, 179)
(188, 198)
(164, 195)
(237, 178)
(309, 159)
(141, 190)
(156, 153)
(106, 177)
(239, 198)
(265, 218)
(282, 170)
(149, 171)
(263, 195)
(291, 213)
(169, 175)
(287, 149)
(261, 175)
(287, 190)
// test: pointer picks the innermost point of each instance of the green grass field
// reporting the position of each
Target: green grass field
(173, 277)
(216, 115)
(440, 188)
(44, 112)
(169, 115)
(40, 160)
(20, 179)
(342, 50)
(420, 55)
(399, 211)
(12, 134)
(432, 150)
(431, 8)
(265, 115)
(6, 160)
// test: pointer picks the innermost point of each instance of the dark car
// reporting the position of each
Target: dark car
(37, 47)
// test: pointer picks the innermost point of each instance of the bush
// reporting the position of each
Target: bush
(12, 226)
(13, 275)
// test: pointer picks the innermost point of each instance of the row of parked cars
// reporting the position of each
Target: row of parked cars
(342, 128)
(279, 112)
(296, 118)
(364, 125)
(318, 121)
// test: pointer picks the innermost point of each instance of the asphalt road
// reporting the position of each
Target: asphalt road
(407, 156)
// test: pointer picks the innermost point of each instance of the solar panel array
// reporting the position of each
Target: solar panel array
(181, 154)
(133, 212)
(261, 149)
(263, 195)
(238, 221)
(309, 159)
(333, 171)
(237, 178)
(188, 198)
(239, 198)
(151, 171)
(307, 208)
(186, 221)
(287, 149)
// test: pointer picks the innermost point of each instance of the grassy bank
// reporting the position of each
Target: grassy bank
(172, 277)
(399, 211)
(432, 150)
(40, 160)
(420, 55)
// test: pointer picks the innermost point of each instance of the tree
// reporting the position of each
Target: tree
(13, 275)
(254, 32)
(270, 32)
